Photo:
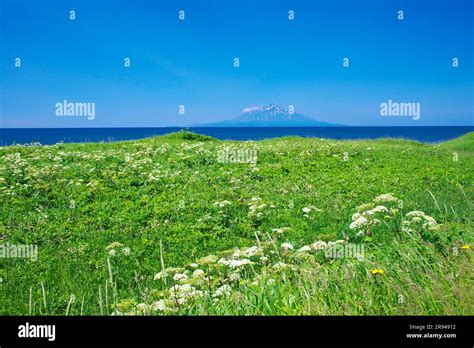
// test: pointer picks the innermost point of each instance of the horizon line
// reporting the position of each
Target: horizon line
(188, 127)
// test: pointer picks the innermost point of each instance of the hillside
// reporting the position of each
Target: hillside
(187, 224)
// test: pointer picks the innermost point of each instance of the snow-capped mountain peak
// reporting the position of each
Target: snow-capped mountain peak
(270, 108)
(270, 115)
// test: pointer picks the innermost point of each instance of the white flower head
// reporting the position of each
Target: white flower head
(234, 277)
(198, 273)
(160, 305)
(415, 213)
(180, 277)
(224, 290)
(377, 209)
(319, 245)
(183, 291)
(358, 223)
(386, 198)
(161, 275)
(126, 251)
(239, 263)
(224, 262)
(222, 204)
(252, 251)
(304, 249)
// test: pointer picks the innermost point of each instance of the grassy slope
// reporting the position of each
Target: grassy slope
(130, 192)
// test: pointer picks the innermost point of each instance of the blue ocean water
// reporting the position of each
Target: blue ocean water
(48, 136)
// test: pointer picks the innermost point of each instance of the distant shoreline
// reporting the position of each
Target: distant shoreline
(49, 136)
(198, 126)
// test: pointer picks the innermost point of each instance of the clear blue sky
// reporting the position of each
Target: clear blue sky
(283, 62)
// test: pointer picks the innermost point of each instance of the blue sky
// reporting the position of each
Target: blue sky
(190, 62)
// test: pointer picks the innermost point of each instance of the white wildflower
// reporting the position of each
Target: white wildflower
(375, 222)
(234, 277)
(377, 209)
(159, 305)
(180, 277)
(222, 204)
(184, 290)
(386, 197)
(319, 245)
(161, 275)
(430, 222)
(304, 249)
(237, 254)
(239, 263)
(224, 290)
(198, 273)
(415, 213)
(224, 262)
(126, 251)
(359, 223)
(252, 251)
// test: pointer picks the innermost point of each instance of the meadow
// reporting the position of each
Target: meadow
(185, 224)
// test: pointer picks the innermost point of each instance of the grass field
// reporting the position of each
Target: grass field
(163, 226)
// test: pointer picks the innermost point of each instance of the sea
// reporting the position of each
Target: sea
(49, 136)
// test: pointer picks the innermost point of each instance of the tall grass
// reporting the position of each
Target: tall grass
(157, 197)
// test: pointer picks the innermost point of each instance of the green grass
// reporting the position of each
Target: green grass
(75, 200)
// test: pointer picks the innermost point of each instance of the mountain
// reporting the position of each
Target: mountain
(268, 116)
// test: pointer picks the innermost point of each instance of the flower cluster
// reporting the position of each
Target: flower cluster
(308, 210)
(223, 276)
(371, 214)
(258, 209)
(115, 248)
(222, 204)
(418, 221)
(363, 222)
